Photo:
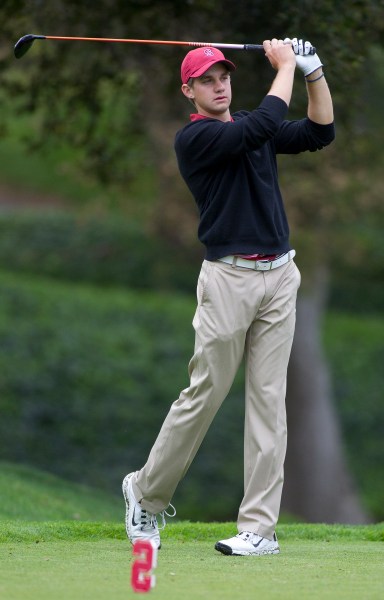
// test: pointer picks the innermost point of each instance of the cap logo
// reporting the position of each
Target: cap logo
(208, 52)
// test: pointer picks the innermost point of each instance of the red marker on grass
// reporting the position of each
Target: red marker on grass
(142, 578)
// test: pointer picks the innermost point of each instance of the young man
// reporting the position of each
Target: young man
(246, 289)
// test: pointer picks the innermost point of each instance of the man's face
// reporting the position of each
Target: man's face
(211, 92)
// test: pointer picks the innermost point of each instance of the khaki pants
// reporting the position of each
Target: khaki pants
(240, 312)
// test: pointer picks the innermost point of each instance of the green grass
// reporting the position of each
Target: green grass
(14, 531)
(30, 494)
(65, 558)
(70, 560)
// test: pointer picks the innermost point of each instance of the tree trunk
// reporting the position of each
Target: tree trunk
(318, 485)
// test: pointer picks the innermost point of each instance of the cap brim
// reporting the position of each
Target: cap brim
(205, 68)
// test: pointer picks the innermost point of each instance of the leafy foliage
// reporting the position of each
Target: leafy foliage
(97, 96)
(107, 251)
(356, 346)
(88, 376)
(116, 108)
(114, 252)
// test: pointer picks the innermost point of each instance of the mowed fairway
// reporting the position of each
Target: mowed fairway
(77, 561)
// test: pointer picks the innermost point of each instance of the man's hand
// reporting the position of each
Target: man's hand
(279, 54)
(307, 63)
(282, 58)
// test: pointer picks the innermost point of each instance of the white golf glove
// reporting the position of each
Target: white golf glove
(305, 62)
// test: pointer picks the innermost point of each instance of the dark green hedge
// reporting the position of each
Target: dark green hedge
(114, 251)
(103, 250)
(87, 376)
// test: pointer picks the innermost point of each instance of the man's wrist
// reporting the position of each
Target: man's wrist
(317, 74)
(289, 67)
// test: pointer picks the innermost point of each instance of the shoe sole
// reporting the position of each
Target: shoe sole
(125, 494)
(228, 551)
(124, 487)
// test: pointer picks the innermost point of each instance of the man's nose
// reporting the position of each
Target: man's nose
(219, 85)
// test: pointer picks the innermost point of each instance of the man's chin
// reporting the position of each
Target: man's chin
(219, 109)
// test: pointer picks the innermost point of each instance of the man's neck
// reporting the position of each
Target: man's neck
(225, 117)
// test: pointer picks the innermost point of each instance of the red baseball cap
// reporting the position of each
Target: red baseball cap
(200, 60)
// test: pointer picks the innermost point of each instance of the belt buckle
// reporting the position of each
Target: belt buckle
(261, 265)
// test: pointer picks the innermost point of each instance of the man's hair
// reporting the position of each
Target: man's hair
(190, 84)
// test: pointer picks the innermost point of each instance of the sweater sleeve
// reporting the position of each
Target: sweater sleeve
(302, 135)
(211, 141)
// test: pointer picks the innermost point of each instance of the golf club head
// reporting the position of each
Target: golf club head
(24, 44)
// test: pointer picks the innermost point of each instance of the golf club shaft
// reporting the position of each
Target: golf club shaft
(26, 41)
(161, 42)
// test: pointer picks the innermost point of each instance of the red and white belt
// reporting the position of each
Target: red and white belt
(259, 264)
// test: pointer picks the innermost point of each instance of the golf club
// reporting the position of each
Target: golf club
(25, 42)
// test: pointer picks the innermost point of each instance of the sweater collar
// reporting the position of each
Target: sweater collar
(197, 117)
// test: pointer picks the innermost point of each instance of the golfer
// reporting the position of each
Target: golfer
(247, 287)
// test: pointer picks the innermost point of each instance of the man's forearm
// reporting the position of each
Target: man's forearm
(320, 106)
(283, 83)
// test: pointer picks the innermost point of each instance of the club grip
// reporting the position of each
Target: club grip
(260, 47)
(253, 47)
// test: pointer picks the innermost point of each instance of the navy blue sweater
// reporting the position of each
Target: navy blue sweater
(231, 170)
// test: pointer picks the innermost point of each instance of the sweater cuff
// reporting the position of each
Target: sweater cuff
(276, 104)
(321, 126)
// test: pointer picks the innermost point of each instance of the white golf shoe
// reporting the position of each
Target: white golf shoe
(247, 544)
(139, 523)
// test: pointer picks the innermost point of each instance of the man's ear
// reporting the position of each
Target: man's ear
(187, 91)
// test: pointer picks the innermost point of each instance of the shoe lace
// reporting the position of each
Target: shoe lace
(149, 521)
(248, 536)
(244, 535)
(164, 514)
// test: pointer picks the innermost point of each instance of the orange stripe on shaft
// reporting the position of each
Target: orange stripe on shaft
(96, 39)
